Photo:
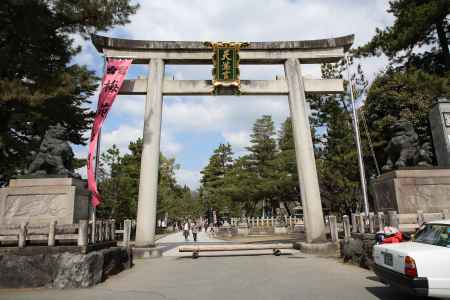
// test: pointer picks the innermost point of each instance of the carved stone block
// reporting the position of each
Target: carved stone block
(408, 191)
(42, 200)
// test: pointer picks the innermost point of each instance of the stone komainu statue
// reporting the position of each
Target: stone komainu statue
(55, 155)
(404, 149)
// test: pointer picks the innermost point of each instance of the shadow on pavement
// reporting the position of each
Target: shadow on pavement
(374, 278)
(231, 255)
(390, 293)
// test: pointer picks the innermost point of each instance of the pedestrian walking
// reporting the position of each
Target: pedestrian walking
(194, 230)
(186, 230)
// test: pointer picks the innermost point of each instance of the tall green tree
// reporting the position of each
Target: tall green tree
(336, 156)
(119, 186)
(285, 164)
(262, 153)
(212, 190)
(39, 84)
(417, 23)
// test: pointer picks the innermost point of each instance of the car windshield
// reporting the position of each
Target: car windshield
(434, 234)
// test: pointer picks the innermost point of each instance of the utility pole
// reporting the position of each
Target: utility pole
(362, 172)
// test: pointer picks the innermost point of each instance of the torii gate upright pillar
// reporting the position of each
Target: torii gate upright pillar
(148, 181)
(304, 152)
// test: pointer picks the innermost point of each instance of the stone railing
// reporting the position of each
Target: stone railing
(84, 233)
(362, 224)
(266, 221)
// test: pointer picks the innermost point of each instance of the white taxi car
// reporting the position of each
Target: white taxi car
(421, 266)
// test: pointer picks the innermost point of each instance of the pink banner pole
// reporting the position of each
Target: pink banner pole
(116, 70)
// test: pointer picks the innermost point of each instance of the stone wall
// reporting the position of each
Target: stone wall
(62, 270)
(358, 250)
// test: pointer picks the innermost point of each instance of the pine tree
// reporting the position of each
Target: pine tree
(286, 175)
(262, 153)
(39, 84)
(213, 179)
(418, 23)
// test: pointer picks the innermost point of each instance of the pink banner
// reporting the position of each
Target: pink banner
(116, 70)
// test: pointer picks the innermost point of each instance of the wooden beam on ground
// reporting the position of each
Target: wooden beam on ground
(248, 87)
(234, 247)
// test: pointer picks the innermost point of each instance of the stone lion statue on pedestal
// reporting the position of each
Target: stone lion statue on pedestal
(55, 155)
(404, 149)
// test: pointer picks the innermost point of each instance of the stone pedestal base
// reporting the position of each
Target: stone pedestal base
(280, 230)
(408, 191)
(147, 252)
(42, 200)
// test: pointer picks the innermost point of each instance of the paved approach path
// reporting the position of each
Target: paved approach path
(228, 277)
(170, 243)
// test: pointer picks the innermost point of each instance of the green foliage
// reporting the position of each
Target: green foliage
(267, 173)
(119, 186)
(212, 192)
(397, 96)
(336, 155)
(418, 23)
(38, 84)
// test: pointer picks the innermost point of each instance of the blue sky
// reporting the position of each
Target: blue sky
(193, 127)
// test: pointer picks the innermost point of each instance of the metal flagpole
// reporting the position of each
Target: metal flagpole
(97, 164)
(358, 142)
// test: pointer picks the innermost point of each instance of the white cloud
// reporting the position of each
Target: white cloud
(169, 146)
(222, 114)
(238, 140)
(120, 137)
(187, 177)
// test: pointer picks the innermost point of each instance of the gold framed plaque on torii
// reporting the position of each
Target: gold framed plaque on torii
(226, 60)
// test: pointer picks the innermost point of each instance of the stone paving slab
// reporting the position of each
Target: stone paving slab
(264, 277)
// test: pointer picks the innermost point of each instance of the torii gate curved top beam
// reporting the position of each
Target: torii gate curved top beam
(289, 53)
(102, 42)
(196, 52)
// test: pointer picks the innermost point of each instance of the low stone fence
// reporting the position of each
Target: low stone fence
(360, 223)
(83, 233)
(356, 234)
(61, 256)
(265, 221)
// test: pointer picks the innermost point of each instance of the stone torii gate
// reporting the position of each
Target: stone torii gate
(291, 54)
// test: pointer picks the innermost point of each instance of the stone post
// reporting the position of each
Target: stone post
(23, 234)
(420, 218)
(306, 164)
(126, 232)
(113, 230)
(393, 218)
(107, 230)
(101, 231)
(148, 182)
(371, 222)
(361, 223)
(83, 233)
(333, 228)
(380, 216)
(346, 224)
(51, 233)
(354, 226)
